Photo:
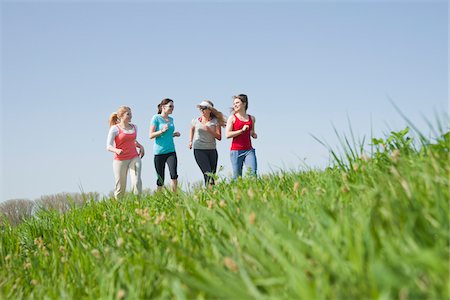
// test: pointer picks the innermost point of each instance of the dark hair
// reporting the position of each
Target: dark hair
(243, 98)
(163, 102)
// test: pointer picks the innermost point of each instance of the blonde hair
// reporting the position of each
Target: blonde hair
(217, 114)
(115, 116)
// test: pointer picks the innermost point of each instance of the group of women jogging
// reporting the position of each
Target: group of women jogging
(205, 130)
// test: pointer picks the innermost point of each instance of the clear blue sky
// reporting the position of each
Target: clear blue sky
(306, 67)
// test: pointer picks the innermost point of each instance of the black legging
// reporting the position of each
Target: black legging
(160, 161)
(207, 161)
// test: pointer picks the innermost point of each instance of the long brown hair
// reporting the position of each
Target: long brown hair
(163, 102)
(217, 114)
(243, 98)
(115, 116)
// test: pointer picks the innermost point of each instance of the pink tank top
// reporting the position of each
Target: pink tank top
(126, 142)
(242, 141)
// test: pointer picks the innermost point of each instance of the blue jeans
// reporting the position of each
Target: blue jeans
(239, 157)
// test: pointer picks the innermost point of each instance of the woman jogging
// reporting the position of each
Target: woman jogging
(122, 142)
(203, 134)
(162, 129)
(240, 127)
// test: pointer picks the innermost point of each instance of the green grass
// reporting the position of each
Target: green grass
(375, 228)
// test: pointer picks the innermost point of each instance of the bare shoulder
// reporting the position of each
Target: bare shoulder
(231, 119)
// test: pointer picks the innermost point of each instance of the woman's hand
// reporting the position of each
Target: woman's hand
(245, 127)
(141, 152)
(118, 151)
(177, 134)
(190, 145)
(254, 135)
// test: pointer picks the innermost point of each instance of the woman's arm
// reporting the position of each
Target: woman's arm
(154, 133)
(191, 136)
(253, 133)
(110, 141)
(141, 148)
(114, 150)
(229, 133)
(216, 132)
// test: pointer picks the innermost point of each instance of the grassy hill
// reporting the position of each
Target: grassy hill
(373, 227)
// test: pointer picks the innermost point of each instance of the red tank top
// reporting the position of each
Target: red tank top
(242, 141)
(126, 142)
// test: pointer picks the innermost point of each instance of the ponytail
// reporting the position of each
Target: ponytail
(115, 116)
(159, 108)
(113, 119)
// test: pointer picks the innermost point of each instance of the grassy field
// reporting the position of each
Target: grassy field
(365, 228)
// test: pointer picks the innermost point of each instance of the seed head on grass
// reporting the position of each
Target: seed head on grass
(296, 186)
(119, 242)
(39, 242)
(345, 189)
(394, 171)
(304, 191)
(252, 218)
(365, 157)
(95, 253)
(395, 155)
(160, 218)
(120, 294)
(344, 177)
(230, 264)
(251, 193)
(320, 191)
(66, 234)
(144, 214)
(234, 241)
(210, 204)
(406, 188)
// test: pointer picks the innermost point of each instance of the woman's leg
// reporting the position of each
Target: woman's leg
(160, 161)
(250, 162)
(202, 159)
(172, 162)
(213, 159)
(135, 174)
(120, 169)
(237, 162)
